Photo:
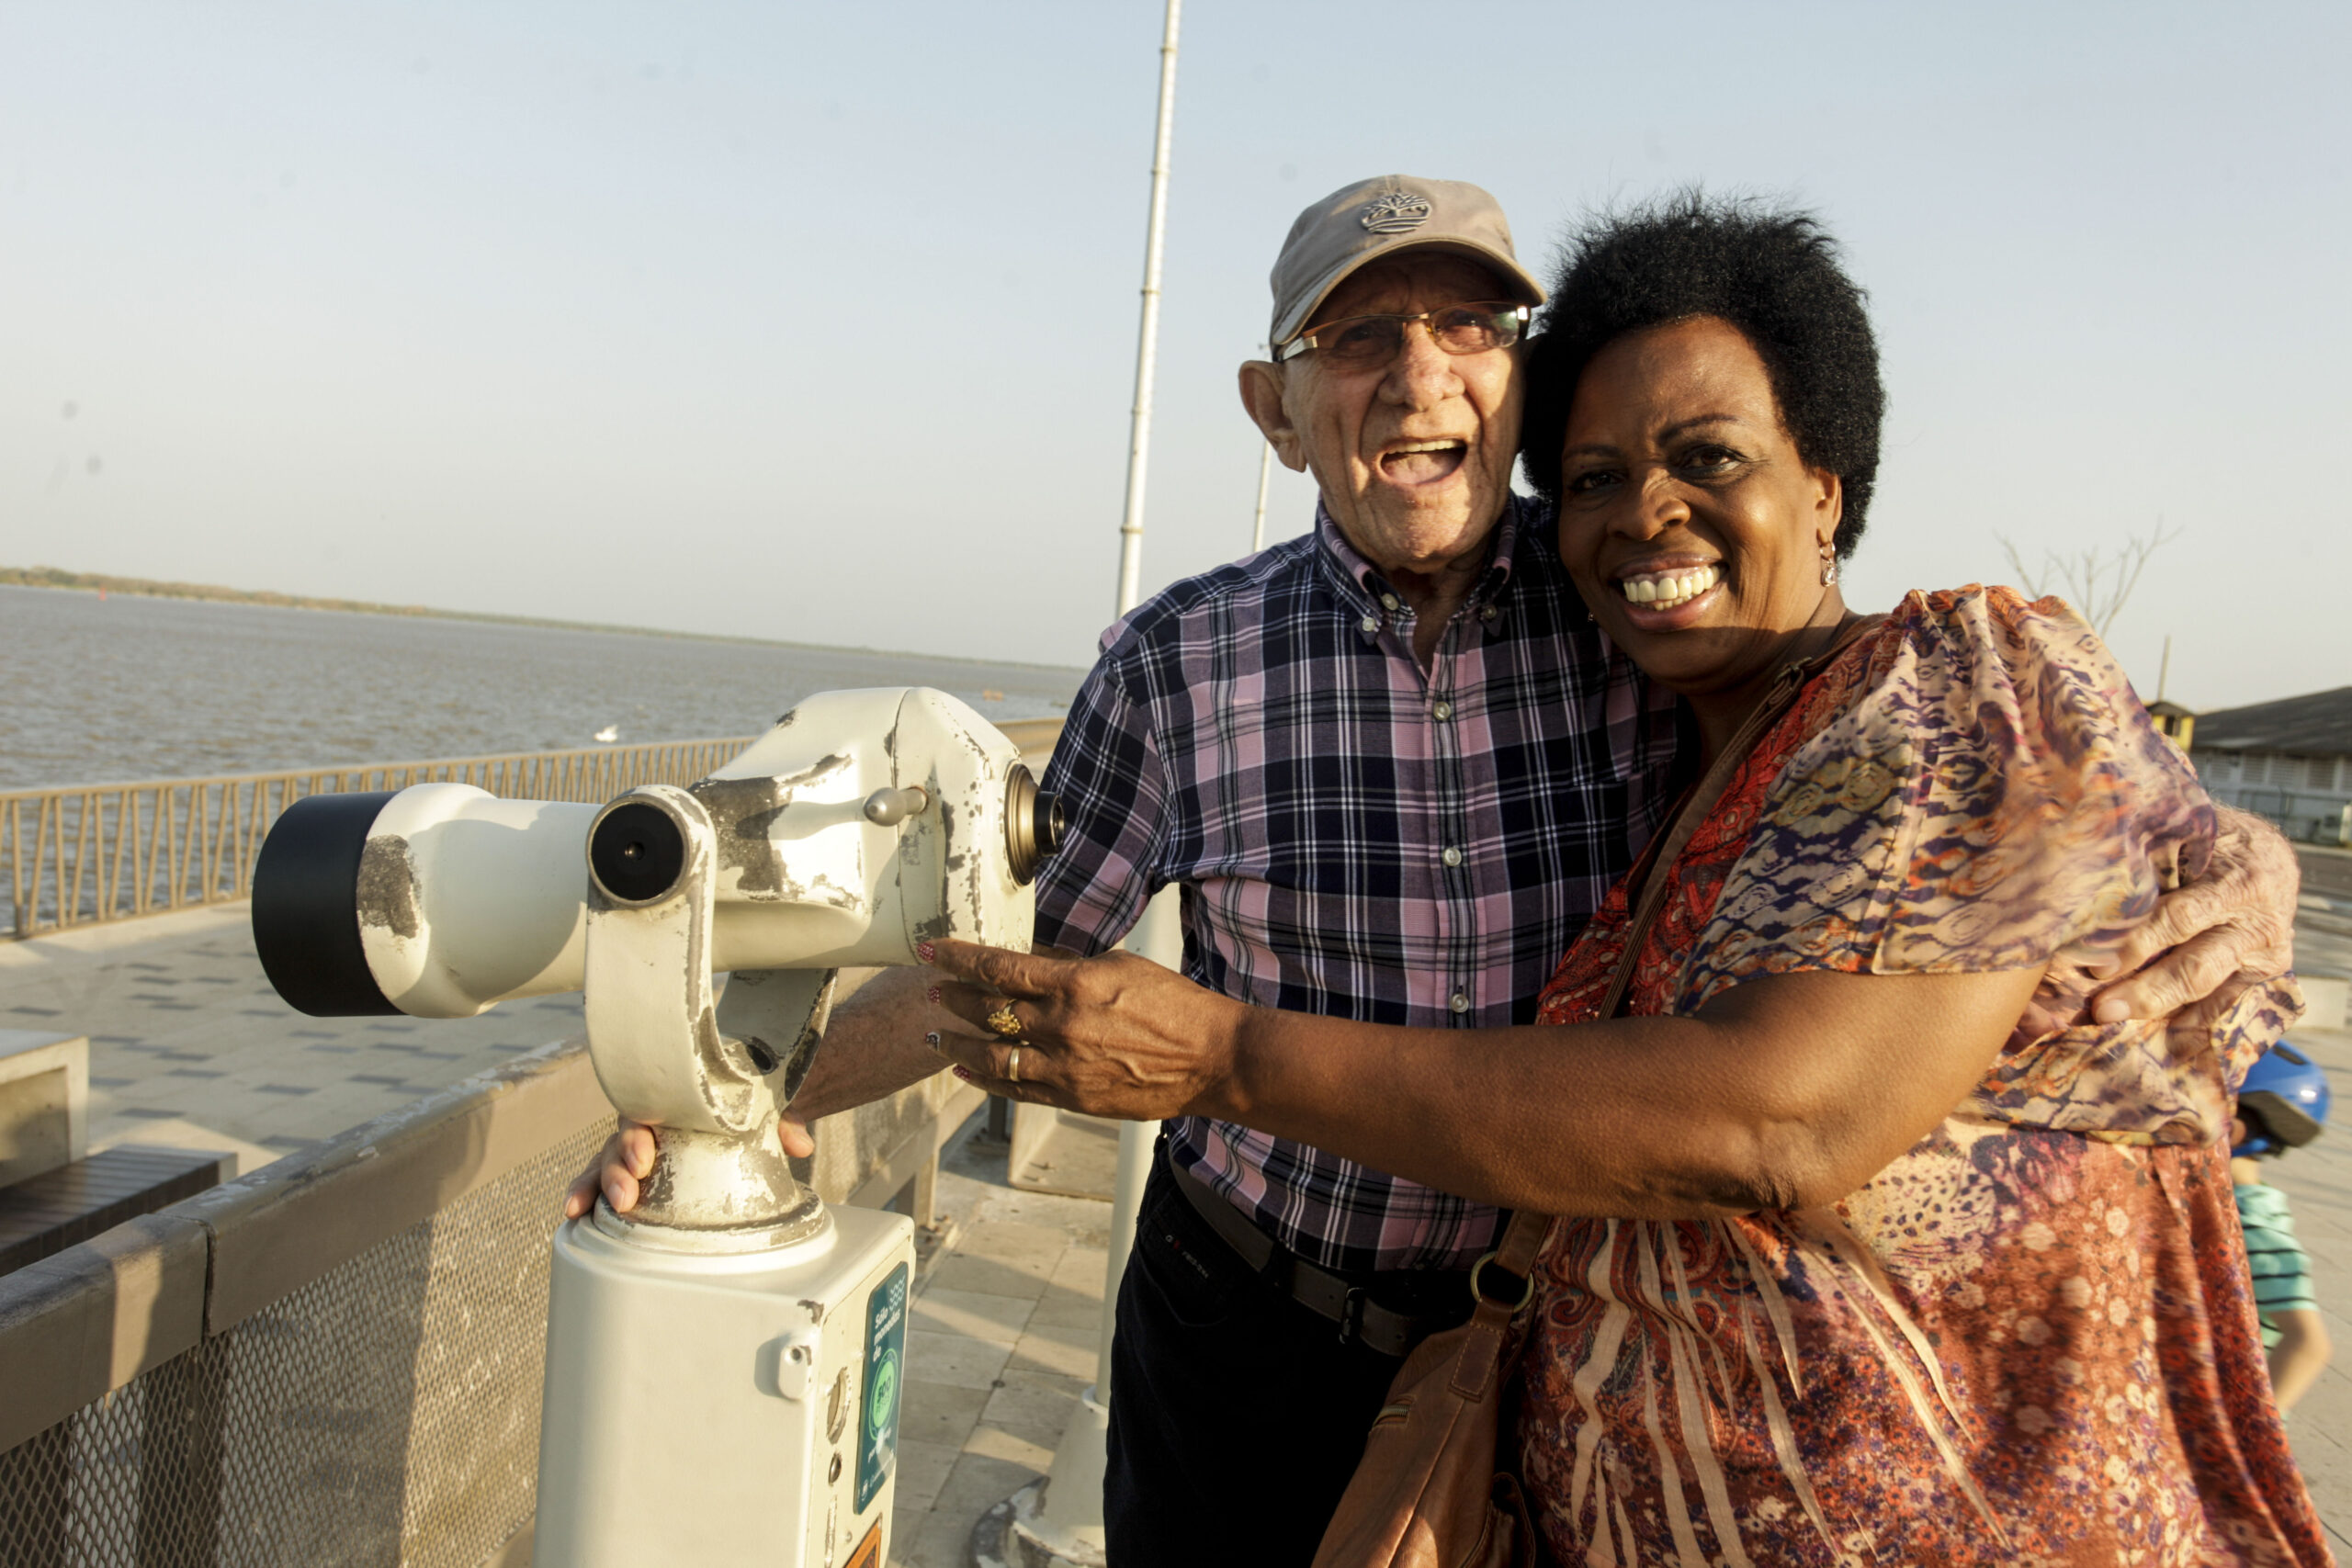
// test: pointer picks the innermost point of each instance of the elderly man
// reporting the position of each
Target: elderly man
(1395, 769)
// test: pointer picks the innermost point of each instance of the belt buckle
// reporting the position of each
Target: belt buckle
(1352, 1307)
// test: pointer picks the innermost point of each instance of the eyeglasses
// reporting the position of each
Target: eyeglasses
(1365, 341)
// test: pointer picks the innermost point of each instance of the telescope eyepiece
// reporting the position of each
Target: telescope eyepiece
(636, 853)
(1033, 824)
(1051, 826)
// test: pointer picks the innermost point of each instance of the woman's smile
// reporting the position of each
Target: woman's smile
(1668, 595)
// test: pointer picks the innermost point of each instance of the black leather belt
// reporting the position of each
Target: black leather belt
(1347, 1304)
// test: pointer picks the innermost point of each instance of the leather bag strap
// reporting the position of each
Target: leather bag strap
(1489, 1324)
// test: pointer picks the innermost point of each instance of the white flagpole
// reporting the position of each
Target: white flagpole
(1147, 333)
(1265, 472)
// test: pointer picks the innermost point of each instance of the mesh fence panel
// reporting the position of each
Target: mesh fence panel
(386, 1413)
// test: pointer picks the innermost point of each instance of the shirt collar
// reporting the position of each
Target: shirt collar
(1361, 585)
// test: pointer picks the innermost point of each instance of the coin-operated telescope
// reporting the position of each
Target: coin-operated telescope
(724, 1361)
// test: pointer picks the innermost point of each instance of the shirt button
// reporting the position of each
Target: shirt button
(1451, 855)
(1372, 623)
(1444, 711)
(1388, 601)
(1490, 614)
(1461, 1002)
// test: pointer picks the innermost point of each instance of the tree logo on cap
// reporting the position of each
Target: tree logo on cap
(1395, 212)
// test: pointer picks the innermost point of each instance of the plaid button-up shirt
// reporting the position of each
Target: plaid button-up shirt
(1355, 835)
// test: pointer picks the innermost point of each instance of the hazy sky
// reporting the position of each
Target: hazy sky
(819, 322)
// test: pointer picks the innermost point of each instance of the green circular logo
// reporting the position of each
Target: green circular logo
(884, 1398)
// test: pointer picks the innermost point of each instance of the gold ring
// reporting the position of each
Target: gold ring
(1003, 1024)
(1013, 1065)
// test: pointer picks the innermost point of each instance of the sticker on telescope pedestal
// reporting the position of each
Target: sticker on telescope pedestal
(885, 1354)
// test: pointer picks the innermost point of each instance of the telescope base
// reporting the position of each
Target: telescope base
(724, 1407)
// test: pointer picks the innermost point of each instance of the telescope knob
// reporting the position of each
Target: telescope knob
(888, 807)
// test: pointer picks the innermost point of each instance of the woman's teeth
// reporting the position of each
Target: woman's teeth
(1664, 591)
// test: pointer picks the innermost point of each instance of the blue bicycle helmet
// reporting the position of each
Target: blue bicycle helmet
(2283, 1103)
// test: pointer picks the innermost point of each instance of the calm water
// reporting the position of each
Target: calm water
(111, 691)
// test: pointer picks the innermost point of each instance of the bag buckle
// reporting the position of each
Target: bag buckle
(1526, 1284)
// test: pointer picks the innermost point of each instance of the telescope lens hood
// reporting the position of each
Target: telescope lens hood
(306, 905)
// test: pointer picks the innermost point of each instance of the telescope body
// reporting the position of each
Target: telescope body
(463, 900)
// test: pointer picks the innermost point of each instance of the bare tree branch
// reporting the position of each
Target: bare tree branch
(2026, 579)
(2097, 586)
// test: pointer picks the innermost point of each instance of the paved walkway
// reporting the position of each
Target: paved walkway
(190, 1047)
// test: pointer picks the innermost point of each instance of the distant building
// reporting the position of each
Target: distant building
(2290, 761)
(2176, 722)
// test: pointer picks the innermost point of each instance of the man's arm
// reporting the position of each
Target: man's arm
(873, 1047)
(2211, 939)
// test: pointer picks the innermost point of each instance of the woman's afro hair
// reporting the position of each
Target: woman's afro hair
(1770, 272)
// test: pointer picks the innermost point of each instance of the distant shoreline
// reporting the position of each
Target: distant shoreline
(211, 593)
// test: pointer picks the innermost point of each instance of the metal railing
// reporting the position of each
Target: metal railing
(89, 854)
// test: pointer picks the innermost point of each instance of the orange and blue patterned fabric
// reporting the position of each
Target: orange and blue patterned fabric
(2031, 1339)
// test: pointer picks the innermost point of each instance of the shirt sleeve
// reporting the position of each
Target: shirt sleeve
(1993, 798)
(1107, 770)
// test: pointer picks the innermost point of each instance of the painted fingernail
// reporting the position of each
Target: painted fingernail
(963, 1073)
(932, 996)
(924, 951)
(931, 1040)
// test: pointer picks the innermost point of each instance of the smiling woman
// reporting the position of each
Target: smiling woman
(2026, 1336)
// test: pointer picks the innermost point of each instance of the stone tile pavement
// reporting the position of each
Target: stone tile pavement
(2317, 1180)
(1000, 1342)
(191, 1048)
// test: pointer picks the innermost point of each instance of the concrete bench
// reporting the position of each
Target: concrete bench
(45, 1214)
(53, 1193)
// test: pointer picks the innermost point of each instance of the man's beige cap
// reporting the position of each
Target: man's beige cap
(1377, 218)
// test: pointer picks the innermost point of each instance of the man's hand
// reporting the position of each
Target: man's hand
(621, 1168)
(1115, 1035)
(2211, 940)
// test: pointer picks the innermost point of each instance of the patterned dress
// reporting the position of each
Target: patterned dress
(2029, 1340)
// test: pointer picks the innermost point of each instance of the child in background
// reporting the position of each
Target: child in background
(2282, 1105)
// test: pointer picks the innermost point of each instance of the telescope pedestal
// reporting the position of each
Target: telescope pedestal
(716, 1398)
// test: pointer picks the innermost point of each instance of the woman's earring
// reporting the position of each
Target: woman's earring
(1829, 566)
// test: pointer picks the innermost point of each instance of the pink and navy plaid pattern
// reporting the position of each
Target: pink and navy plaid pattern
(1356, 836)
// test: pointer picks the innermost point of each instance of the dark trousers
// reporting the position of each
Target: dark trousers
(1236, 1415)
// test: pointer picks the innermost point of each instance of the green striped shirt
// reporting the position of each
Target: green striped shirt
(2282, 1273)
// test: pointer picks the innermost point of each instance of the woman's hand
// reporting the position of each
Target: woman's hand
(1116, 1036)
